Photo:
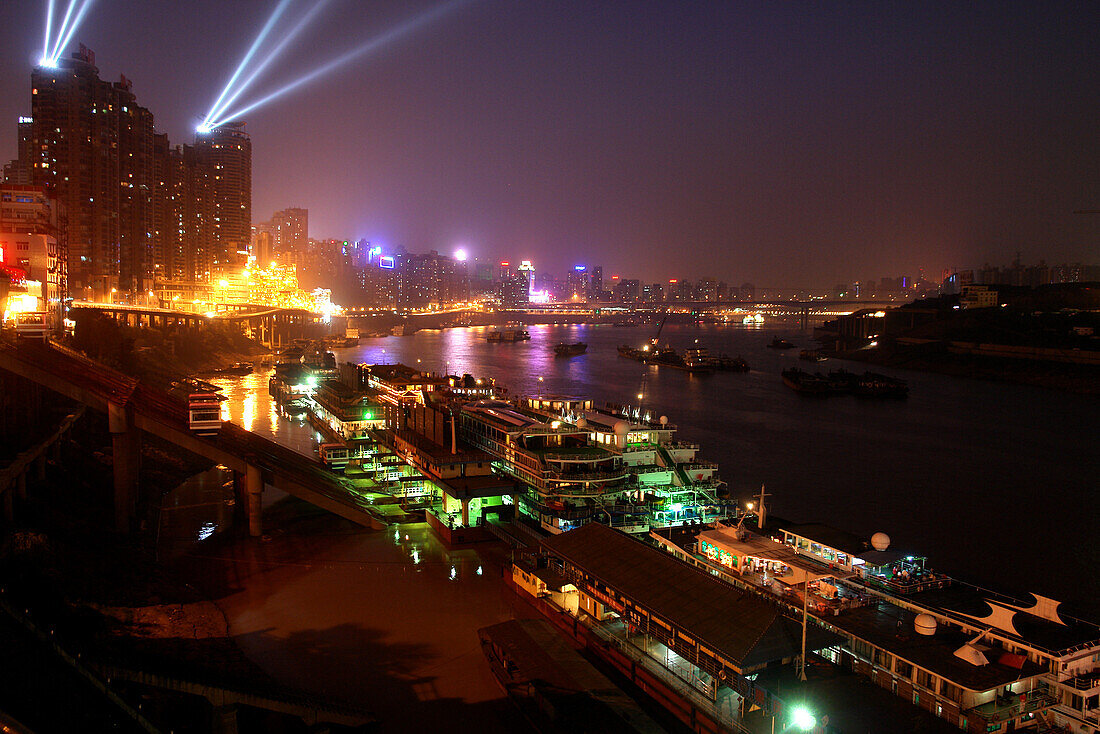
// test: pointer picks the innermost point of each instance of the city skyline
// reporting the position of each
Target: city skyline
(654, 138)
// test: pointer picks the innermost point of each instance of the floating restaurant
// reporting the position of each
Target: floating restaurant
(979, 660)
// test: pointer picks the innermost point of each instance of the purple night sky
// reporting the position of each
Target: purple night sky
(780, 143)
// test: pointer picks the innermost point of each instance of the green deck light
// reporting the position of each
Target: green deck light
(802, 719)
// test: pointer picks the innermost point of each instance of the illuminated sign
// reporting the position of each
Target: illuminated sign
(386, 261)
(504, 263)
(579, 268)
(25, 120)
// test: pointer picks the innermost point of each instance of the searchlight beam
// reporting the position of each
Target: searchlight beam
(271, 56)
(374, 44)
(215, 109)
(49, 27)
(64, 36)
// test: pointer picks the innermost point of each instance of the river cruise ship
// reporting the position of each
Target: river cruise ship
(577, 464)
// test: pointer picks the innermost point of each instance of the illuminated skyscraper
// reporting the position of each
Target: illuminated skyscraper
(184, 218)
(229, 150)
(93, 151)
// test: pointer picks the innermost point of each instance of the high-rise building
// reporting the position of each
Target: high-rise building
(654, 292)
(595, 283)
(289, 230)
(577, 285)
(229, 150)
(28, 241)
(628, 290)
(431, 280)
(92, 150)
(18, 171)
(183, 218)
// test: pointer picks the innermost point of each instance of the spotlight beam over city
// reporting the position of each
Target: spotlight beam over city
(49, 27)
(374, 44)
(66, 32)
(215, 109)
(271, 56)
(51, 51)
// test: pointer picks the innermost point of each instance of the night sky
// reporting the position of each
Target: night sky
(780, 143)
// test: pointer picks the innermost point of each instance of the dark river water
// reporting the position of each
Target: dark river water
(995, 483)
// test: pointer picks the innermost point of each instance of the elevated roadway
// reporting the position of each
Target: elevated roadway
(132, 407)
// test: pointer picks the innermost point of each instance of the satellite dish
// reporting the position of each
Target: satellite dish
(880, 541)
(622, 428)
(925, 624)
(664, 420)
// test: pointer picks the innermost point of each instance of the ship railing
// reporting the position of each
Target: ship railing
(680, 445)
(568, 513)
(647, 469)
(1083, 682)
(590, 476)
(579, 456)
(911, 587)
(688, 466)
(1006, 708)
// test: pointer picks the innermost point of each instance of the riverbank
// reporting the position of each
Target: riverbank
(935, 357)
(386, 618)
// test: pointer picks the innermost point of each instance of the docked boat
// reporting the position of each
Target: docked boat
(811, 355)
(874, 385)
(638, 355)
(295, 408)
(730, 364)
(404, 330)
(778, 343)
(669, 357)
(806, 383)
(701, 357)
(752, 319)
(290, 355)
(570, 350)
(511, 335)
(238, 368)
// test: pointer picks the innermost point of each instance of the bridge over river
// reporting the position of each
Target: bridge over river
(133, 408)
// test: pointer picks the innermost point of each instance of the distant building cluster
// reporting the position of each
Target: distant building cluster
(1018, 274)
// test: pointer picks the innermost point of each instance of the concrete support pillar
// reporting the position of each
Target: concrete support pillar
(255, 488)
(240, 497)
(466, 512)
(126, 456)
(223, 719)
(55, 449)
(21, 486)
(9, 506)
(40, 468)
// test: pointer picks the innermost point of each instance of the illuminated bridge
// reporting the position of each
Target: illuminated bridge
(133, 407)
